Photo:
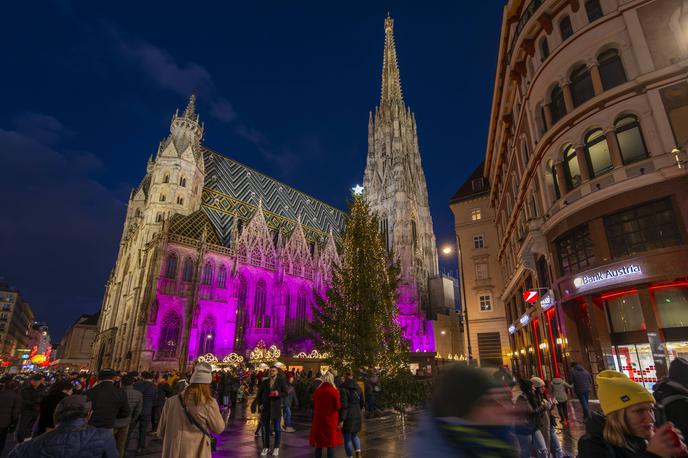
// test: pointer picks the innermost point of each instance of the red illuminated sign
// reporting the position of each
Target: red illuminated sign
(530, 296)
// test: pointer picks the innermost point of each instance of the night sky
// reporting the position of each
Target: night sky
(284, 87)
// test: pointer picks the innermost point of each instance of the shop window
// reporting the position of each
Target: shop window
(593, 10)
(625, 313)
(485, 303)
(611, 69)
(597, 152)
(575, 250)
(581, 85)
(565, 28)
(478, 241)
(675, 100)
(672, 305)
(637, 363)
(557, 107)
(572, 169)
(642, 228)
(630, 138)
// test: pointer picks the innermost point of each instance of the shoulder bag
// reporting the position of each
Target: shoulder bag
(213, 440)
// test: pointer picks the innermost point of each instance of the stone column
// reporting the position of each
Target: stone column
(582, 163)
(613, 145)
(561, 178)
(548, 116)
(595, 76)
(568, 98)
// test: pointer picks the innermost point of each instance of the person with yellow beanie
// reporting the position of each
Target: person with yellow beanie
(626, 427)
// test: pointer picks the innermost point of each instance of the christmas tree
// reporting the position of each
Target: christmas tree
(356, 322)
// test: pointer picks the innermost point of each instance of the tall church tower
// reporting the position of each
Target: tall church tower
(395, 187)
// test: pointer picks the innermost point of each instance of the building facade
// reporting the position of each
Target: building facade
(75, 348)
(587, 137)
(16, 318)
(485, 324)
(396, 190)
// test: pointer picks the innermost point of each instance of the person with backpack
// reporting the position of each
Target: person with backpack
(350, 416)
(671, 394)
(626, 428)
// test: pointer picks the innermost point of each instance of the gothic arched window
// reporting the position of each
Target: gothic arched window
(555, 180)
(262, 319)
(630, 138)
(544, 48)
(597, 152)
(611, 69)
(581, 85)
(166, 178)
(187, 274)
(565, 28)
(206, 336)
(208, 273)
(162, 197)
(158, 218)
(557, 107)
(414, 233)
(300, 316)
(171, 266)
(571, 168)
(242, 293)
(169, 335)
(222, 277)
(182, 182)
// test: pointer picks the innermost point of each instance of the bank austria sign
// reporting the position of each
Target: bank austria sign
(607, 276)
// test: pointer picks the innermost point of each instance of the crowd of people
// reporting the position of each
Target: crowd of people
(472, 413)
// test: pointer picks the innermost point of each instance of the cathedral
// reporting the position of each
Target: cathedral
(218, 258)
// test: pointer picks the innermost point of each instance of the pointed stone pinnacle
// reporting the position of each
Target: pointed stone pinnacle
(190, 111)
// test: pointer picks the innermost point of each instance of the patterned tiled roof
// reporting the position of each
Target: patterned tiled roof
(233, 190)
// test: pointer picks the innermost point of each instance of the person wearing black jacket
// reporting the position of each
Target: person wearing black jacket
(58, 391)
(164, 391)
(270, 394)
(672, 394)
(350, 415)
(31, 393)
(108, 401)
(10, 406)
(149, 392)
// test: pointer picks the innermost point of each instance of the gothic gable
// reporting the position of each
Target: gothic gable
(255, 243)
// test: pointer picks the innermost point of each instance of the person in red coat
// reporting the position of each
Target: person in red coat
(325, 431)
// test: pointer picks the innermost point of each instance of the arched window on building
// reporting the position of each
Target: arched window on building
(593, 10)
(581, 85)
(171, 266)
(206, 336)
(187, 274)
(557, 107)
(222, 277)
(414, 233)
(565, 28)
(137, 212)
(182, 182)
(262, 319)
(158, 218)
(300, 316)
(170, 330)
(597, 152)
(162, 197)
(208, 273)
(544, 48)
(540, 119)
(611, 69)
(384, 230)
(242, 294)
(166, 178)
(630, 138)
(571, 167)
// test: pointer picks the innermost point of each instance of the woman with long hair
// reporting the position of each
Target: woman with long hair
(627, 426)
(325, 431)
(530, 432)
(189, 419)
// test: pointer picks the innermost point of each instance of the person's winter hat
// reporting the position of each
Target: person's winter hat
(537, 382)
(616, 391)
(448, 401)
(71, 408)
(678, 371)
(107, 374)
(203, 373)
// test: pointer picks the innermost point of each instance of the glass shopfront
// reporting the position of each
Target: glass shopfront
(636, 362)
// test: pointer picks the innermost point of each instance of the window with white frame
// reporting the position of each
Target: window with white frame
(478, 241)
(476, 215)
(485, 302)
(481, 271)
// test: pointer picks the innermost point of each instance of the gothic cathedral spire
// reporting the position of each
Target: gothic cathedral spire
(396, 190)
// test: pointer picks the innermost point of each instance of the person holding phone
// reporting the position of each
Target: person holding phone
(627, 426)
(270, 394)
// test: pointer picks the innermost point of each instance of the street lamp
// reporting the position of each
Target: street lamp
(447, 250)
(681, 163)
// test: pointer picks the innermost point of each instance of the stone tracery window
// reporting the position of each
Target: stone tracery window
(187, 274)
(206, 336)
(262, 319)
(222, 277)
(208, 273)
(171, 266)
(300, 316)
(169, 335)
